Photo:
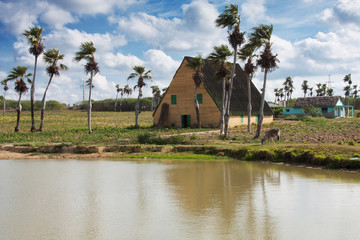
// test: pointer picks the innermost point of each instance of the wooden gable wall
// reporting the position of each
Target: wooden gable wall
(183, 87)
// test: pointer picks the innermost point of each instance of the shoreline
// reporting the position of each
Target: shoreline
(292, 155)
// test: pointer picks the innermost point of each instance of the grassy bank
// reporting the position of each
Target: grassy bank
(333, 143)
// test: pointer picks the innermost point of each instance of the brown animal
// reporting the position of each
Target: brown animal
(271, 134)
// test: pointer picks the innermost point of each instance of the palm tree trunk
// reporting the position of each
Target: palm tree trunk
(223, 107)
(18, 110)
(117, 94)
(121, 96)
(32, 99)
(261, 112)
(227, 113)
(43, 103)
(196, 105)
(249, 108)
(89, 104)
(4, 104)
(137, 108)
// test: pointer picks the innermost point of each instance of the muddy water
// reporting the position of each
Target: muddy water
(68, 199)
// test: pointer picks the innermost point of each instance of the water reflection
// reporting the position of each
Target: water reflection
(48, 199)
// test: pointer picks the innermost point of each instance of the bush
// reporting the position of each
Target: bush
(150, 138)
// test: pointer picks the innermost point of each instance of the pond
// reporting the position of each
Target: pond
(73, 199)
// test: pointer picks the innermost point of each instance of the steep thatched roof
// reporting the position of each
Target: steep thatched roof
(323, 101)
(239, 97)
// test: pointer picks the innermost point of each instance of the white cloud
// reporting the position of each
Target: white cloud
(96, 6)
(120, 61)
(253, 10)
(17, 17)
(55, 16)
(344, 12)
(196, 31)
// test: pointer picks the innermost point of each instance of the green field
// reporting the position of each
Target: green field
(315, 141)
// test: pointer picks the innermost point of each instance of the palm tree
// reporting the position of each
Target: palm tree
(219, 55)
(87, 50)
(276, 92)
(311, 91)
(305, 87)
(36, 48)
(347, 89)
(267, 62)
(4, 82)
(128, 91)
(141, 74)
(355, 92)
(246, 53)
(196, 64)
(281, 93)
(19, 73)
(319, 89)
(156, 96)
(52, 56)
(330, 92)
(230, 19)
(118, 90)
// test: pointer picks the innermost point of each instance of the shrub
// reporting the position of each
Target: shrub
(194, 137)
(351, 142)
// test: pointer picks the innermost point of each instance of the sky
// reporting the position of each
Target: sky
(316, 40)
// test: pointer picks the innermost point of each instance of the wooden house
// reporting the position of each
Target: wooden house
(327, 106)
(177, 106)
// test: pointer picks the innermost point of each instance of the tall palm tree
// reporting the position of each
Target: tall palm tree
(230, 19)
(118, 90)
(247, 53)
(281, 94)
(305, 87)
(261, 36)
(267, 63)
(219, 55)
(36, 48)
(141, 74)
(196, 64)
(276, 91)
(52, 56)
(19, 73)
(347, 89)
(258, 37)
(128, 91)
(87, 50)
(355, 92)
(156, 96)
(319, 89)
(4, 82)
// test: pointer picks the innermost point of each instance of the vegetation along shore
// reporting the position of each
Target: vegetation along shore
(320, 142)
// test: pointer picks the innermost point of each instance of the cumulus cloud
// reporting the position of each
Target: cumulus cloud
(195, 31)
(16, 17)
(121, 61)
(344, 12)
(95, 6)
(55, 16)
(253, 10)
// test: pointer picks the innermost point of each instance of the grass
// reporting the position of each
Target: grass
(313, 140)
(71, 127)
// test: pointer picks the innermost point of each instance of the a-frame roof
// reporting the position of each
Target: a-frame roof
(239, 97)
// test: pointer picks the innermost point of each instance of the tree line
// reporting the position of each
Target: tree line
(284, 94)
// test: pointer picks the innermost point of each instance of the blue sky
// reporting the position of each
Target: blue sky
(313, 39)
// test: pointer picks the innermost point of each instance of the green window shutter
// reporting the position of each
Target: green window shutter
(173, 99)
(199, 98)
